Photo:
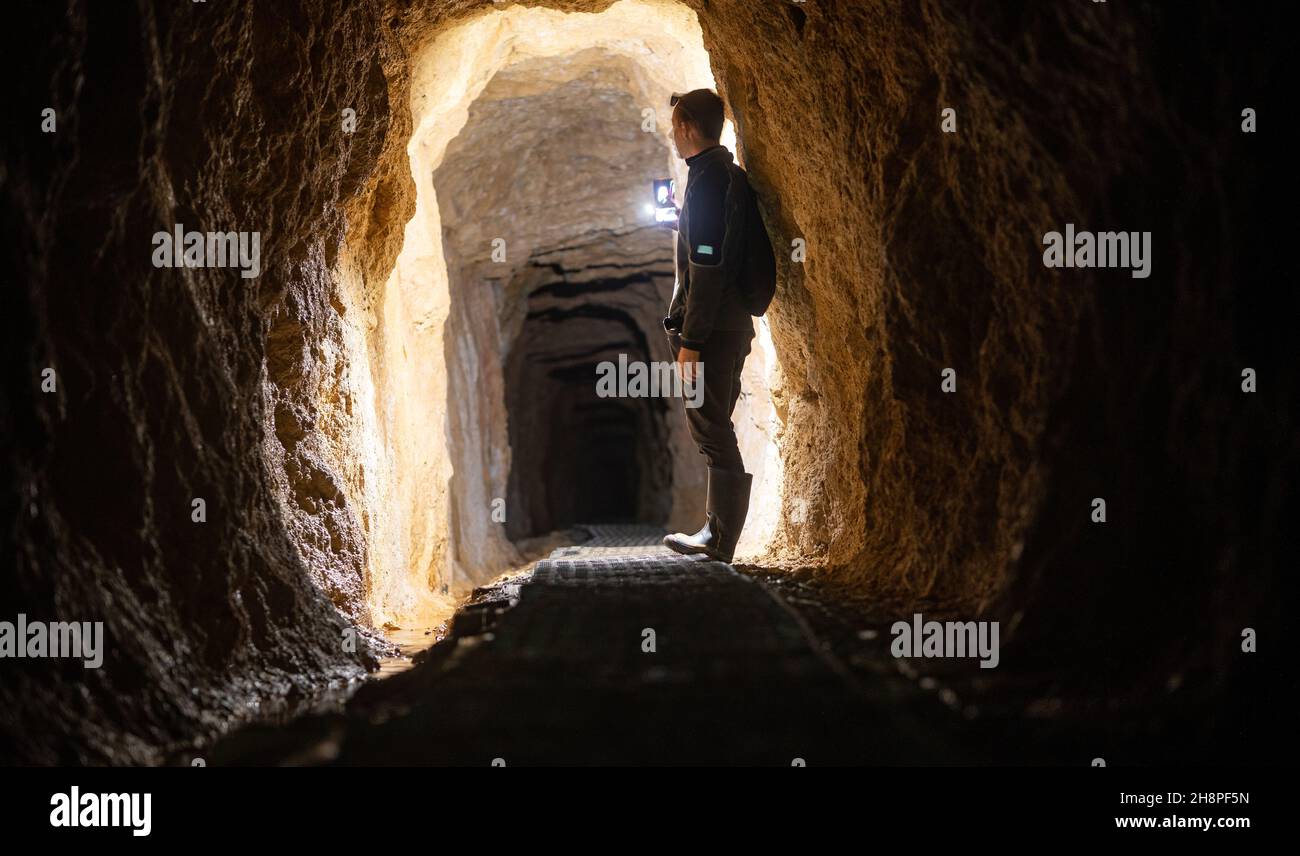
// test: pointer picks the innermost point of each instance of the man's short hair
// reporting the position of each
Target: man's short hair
(704, 108)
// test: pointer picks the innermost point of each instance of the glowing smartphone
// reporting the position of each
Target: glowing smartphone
(665, 209)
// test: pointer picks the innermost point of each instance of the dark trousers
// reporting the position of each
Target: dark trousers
(723, 357)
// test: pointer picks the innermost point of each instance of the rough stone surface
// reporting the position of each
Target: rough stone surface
(168, 381)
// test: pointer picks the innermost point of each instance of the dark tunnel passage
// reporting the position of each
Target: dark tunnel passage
(547, 168)
(579, 457)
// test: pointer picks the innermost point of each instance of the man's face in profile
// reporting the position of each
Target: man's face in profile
(683, 134)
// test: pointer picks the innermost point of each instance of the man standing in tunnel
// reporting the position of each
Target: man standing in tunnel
(709, 322)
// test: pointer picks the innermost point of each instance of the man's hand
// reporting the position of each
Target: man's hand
(687, 360)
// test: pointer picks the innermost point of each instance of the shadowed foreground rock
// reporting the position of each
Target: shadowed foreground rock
(553, 667)
(563, 676)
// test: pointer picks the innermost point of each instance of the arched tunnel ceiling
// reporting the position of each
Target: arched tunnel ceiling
(553, 160)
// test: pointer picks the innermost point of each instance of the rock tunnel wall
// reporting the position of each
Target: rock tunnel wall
(170, 383)
(269, 398)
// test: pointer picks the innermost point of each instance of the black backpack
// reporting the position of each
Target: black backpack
(757, 277)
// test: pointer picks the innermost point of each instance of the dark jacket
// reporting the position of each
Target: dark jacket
(710, 241)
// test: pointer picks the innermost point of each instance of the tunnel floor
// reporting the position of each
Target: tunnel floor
(549, 667)
(551, 670)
